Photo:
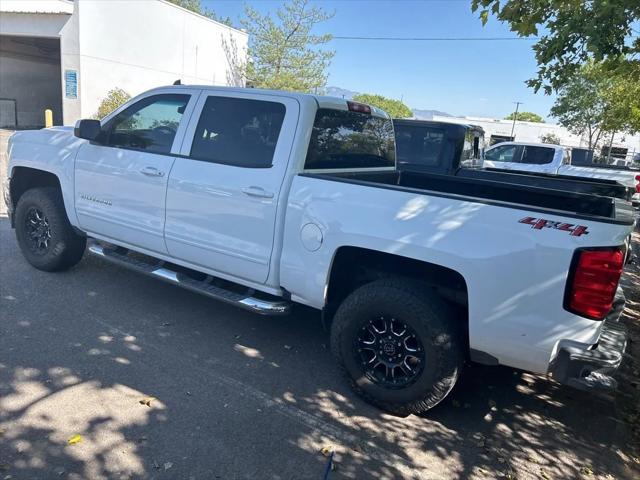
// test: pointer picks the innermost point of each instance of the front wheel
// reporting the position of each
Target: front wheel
(399, 345)
(45, 236)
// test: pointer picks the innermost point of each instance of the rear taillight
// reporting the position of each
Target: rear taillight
(359, 107)
(637, 183)
(593, 281)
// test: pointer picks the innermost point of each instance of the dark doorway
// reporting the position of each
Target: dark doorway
(29, 81)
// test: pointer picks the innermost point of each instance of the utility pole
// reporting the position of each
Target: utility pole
(515, 117)
(610, 145)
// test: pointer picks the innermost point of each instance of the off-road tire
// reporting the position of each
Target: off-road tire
(434, 322)
(65, 248)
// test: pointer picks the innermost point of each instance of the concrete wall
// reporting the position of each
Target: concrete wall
(139, 44)
(46, 25)
(70, 61)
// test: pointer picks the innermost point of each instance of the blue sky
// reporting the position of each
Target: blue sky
(462, 78)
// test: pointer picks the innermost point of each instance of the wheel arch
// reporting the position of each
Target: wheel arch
(25, 178)
(352, 267)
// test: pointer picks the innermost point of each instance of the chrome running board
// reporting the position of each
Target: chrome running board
(157, 268)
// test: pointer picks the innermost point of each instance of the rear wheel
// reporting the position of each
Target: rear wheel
(398, 344)
(45, 236)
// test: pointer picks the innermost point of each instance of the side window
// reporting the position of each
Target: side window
(238, 131)
(538, 155)
(472, 148)
(150, 124)
(505, 153)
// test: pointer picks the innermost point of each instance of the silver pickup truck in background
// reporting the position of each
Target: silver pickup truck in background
(556, 160)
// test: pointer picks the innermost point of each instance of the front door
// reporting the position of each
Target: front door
(121, 182)
(505, 157)
(223, 191)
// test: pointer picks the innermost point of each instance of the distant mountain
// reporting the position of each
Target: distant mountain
(340, 92)
(418, 113)
(428, 114)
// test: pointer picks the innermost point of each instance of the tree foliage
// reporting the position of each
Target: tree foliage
(594, 102)
(551, 138)
(572, 32)
(283, 53)
(197, 7)
(526, 117)
(580, 106)
(115, 98)
(393, 107)
(622, 98)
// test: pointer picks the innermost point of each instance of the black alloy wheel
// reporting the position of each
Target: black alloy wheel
(38, 231)
(390, 352)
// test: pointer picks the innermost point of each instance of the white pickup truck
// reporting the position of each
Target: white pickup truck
(264, 198)
(556, 160)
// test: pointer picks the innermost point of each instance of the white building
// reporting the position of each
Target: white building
(66, 55)
(500, 130)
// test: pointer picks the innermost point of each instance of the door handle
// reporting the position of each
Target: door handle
(151, 172)
(257, 192)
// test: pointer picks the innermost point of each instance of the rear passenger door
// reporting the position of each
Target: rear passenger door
(222, 197)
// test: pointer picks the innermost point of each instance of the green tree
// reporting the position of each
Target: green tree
(393, 107)
(550, 138)
(283, 52)
(571, 33)
(526, 117)
(115, 98)
(594, 103)
(197, 7)
(622, 98)
(580, 106)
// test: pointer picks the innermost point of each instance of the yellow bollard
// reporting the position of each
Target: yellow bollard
(48, 118)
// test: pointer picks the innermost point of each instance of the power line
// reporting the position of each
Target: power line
(436, 39)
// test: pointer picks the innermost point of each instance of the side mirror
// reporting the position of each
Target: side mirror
(88, 129)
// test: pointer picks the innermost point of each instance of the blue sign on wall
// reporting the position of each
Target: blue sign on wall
(71, 84)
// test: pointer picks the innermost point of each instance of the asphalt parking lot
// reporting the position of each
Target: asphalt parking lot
(233, 395)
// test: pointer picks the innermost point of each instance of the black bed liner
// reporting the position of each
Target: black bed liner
(592, 186)
(508, 195)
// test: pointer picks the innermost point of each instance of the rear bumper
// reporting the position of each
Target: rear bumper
(592, 369)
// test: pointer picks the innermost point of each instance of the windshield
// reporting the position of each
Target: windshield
(350, 140)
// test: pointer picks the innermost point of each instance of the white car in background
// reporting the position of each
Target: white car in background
(556, 160)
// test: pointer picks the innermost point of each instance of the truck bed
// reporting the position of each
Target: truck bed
(592, 186)
(509, 195)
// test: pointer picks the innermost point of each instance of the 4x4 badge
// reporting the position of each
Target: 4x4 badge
(540, 223)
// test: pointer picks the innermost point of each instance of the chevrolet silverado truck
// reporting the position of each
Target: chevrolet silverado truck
(264, 198)
(556, 160)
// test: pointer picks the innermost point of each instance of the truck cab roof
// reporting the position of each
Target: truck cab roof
(320, 101)
(529, 144)
(438, 123)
